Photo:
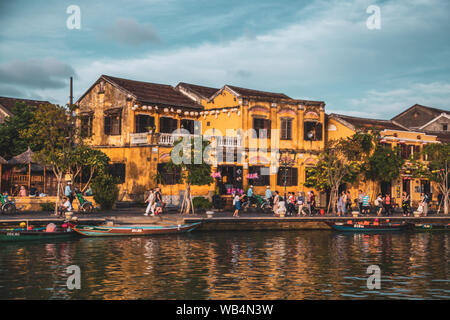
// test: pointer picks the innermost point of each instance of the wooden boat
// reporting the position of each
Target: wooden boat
(367, 226)
(134, 230)
(431, 226)
(35, 234)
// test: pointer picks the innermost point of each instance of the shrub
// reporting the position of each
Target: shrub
(48, 206)
(202, 203)
(105, 190)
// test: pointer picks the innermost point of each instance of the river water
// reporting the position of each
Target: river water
(231, 265)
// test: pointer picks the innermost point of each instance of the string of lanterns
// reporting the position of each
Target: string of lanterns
(215, 112)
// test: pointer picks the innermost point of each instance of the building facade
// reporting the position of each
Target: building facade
(136, 123)
(251, 132)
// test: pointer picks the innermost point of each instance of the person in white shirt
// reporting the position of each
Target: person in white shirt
(66, 207)
(150, 200)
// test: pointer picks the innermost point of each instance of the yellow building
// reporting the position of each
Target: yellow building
(133, 122)
(136, 123)
(393, 134)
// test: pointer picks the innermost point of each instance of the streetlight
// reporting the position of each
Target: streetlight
(286, 158)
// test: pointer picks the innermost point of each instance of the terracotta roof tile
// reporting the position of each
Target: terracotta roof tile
(147, 92)
(203, 91)
(361, 123)
(256, 93)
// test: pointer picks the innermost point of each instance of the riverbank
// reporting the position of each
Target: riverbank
(221, 221)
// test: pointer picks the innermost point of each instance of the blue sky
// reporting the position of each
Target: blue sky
(318, 49)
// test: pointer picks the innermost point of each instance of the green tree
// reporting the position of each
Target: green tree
(11, 142)
(105, 189)
(383, 165)
(341, 162)
(195, 170)
(84, 157)
(54, 128)
(435, 168)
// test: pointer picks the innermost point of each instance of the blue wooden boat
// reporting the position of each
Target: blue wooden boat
(367, 227)
(134, 230)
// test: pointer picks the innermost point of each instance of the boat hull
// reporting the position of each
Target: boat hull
(116, 231)
(29, 235)
(367, 228)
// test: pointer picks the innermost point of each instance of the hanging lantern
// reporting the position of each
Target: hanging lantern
(171, 110)
(196, 114)
(156, 107)
(186, 113)
(206, 112)
(150, 107)
(144, 107)
(166, 110)
(178, 111)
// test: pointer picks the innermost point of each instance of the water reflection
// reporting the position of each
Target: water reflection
(232, 265)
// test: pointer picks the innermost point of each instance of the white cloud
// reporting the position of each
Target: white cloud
(382, 104)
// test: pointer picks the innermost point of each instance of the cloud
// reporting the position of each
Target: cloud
(130, 32)
(47, 73)
(383, 104)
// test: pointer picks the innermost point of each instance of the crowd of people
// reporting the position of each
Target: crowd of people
(302, 204)
(305, 204)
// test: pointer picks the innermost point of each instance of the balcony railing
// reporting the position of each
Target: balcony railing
(226, 142)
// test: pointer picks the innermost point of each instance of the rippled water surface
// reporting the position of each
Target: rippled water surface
(231, 265)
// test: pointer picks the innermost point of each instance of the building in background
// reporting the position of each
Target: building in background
(7, 105)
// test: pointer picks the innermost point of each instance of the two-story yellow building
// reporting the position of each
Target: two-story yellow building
(135, 123)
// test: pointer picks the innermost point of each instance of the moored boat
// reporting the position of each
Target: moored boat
(134, 230)
(366, 226)
(431, 226)
(36, 234)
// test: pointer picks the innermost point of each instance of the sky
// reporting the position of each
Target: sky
(317, 49)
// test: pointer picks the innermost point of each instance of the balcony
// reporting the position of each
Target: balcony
(168, 139)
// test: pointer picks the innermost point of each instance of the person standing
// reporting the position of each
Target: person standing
(237, 204)
(276, 201)
(340, 205)
(388, 204)
(300, 203)
(424, 203)
(158, 201)
(349, 202)
(366, 204)
(250, 196)
(379, 204)
(312, 205)
(360, 200)
(268, 195)
(68, 192)
(406, 204)
(150, 199)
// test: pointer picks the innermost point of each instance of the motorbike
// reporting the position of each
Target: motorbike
(7, 206)
(85, 205)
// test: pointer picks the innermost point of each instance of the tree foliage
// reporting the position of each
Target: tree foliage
(105, 189)
(436, 168)
(194, 169)
(341, 162)
(11, 142)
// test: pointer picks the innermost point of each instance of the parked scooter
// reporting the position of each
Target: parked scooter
(7, 206)
(85, 205)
